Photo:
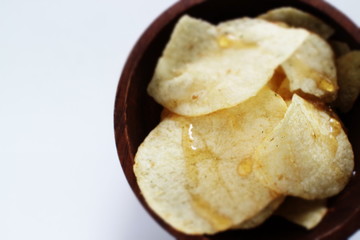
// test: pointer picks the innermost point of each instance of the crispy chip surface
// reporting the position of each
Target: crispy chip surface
(205, 68)
(312, 69)
(197, 173)
(306, 213)
(297, 18)
(307, 155)
(262, 216)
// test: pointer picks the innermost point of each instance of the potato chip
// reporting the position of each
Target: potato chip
(297, 18)
(349, 80)
(307, 155)
(312, 70)
(339, 48)
(306, 213)
(205, 68)
(196, 172)
(262, 216)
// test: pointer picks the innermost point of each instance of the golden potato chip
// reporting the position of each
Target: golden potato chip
(307, 155)
(306, 213)
(348, 67)
(297, 18)
(262, 216)
(339, 48)
(205, 68)
(196, 172)
(312, 70)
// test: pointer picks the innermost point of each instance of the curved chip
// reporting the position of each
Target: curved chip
(349, 80)
(205, 68)
(308, 154)
(312, 70)
(262, 216)
(196, 173)
(297, 18)
(306, 213)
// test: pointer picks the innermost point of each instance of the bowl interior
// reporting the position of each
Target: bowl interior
(136, 114)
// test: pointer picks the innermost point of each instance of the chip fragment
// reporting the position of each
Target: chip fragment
(306, 213)
(262, 216)
(312, 69)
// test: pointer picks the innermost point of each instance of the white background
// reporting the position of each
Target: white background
(60, 61)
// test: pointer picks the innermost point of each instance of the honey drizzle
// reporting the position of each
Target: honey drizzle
(245, 167)
(322, 81)
(228, 40)
(195, 150)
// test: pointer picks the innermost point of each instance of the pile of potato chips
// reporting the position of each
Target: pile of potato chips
(247, 122)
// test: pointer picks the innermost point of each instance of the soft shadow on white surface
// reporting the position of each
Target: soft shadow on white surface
(60, 177)
(60, 62)
(356, 236)
(350, 7)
